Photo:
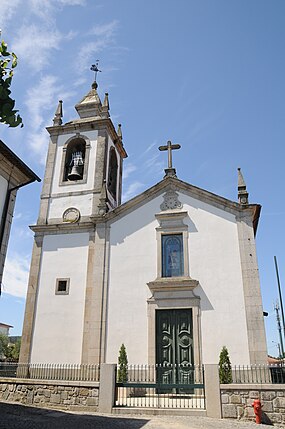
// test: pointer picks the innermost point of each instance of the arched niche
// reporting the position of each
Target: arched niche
(75, 158)
(113, 173)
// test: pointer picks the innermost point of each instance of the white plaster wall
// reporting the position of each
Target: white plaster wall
(3, 192)
(133, 264)
(62, 139)
(58, 328)
(82, 202)
(214, 260)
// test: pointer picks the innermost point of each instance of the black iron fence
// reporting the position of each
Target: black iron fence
(256, 374)
(160, 386)
(68, 372)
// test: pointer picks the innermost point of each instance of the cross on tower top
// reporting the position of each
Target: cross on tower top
(170, 171)
(94, 68)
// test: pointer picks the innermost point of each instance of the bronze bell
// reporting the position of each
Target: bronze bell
(77, 166)
(75, 173)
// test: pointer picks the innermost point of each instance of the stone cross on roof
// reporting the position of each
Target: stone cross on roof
(170, 171)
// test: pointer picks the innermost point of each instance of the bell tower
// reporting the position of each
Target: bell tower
(83, 181)
(84, 163)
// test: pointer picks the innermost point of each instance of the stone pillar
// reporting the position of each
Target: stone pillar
(107, 388)
(252, 295)
(47, 184)
(28, 325)
(212, 391)
(94, 331)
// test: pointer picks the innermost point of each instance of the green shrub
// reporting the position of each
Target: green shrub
(123, 365)
(225, 367)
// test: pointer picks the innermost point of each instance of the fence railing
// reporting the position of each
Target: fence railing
(160, 386)
(255, 374)
(68, 372)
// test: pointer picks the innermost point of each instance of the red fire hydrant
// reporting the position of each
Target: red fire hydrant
(257, 410)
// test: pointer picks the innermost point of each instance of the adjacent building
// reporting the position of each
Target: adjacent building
(14, 174)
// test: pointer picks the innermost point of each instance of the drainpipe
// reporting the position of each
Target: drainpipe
(5, 212)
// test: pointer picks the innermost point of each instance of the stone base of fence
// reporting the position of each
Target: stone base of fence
(237, 401)
(69, 395)
(226, 400)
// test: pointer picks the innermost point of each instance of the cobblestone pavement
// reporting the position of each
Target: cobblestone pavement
(14, 416)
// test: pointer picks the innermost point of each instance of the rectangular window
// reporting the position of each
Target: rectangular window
(62, 287)
(172, 255)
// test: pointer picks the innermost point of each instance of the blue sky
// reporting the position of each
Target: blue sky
(206, 74)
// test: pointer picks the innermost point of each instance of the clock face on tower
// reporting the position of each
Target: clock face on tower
(71, 215)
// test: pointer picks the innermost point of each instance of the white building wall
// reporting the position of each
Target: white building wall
(213, 260)
(58, 327)
(3, 192)
(82, 202)
(132, 265)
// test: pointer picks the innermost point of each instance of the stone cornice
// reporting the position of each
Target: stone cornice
(93, 123)
(61, 228)
(178, 214)
(162, 284)
(252, 210)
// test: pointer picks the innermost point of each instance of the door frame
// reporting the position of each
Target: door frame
(171, 301)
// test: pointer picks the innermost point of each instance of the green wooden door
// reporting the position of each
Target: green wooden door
(174, 346)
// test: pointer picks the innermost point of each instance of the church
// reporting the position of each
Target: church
(171, 273)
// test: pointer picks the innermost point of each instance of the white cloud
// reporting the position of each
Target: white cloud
(104, 38)
(41, 103)
(152, 145)
(7, 10)
(46, 9)
(129, 169)
(155, 162)
(71, 2)
(15, 276)
(132, 190)
(38, 142)
(34, 45)
(105, 30)
(41, 97)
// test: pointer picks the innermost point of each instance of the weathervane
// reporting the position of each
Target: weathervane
(94, 68)
(170, 171)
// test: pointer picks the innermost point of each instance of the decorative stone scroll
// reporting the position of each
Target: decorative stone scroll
(171, 201)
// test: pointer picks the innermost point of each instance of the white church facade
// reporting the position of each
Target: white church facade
(172, 273)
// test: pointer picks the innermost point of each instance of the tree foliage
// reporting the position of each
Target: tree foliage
(225, 367)
(9, 351)
(8, 62)
(3, 346)
(123, 365)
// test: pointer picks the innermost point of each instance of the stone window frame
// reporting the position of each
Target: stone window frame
(63, 182)
(59, 292)
(172, 223)
(164, 264)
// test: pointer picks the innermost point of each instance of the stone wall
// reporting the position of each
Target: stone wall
(237, 401)
(44, 393)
